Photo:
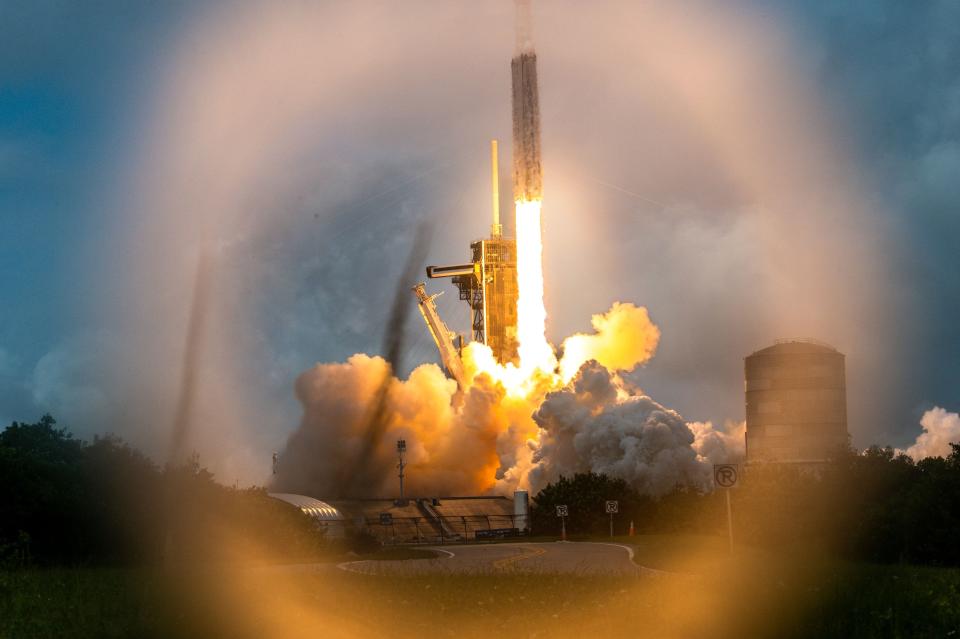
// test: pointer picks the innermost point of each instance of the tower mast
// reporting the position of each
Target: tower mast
(496, 230)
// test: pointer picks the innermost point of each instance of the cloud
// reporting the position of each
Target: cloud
(585, 428)
(624, 338)
(68, 382)
(719, 446)
(940, 429)
(452, 442)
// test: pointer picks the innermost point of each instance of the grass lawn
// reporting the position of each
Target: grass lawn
(737, 599)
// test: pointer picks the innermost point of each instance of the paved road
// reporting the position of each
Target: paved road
(555, 557)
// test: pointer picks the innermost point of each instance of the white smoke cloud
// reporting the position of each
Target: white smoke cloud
(719, 446)
(586, 428)
(65, 382)
(940, 429)
(624, 338)
(484, 439)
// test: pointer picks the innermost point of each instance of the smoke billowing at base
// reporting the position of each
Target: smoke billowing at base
(483, 439)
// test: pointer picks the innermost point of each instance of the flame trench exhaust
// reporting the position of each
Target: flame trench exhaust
(534, 350)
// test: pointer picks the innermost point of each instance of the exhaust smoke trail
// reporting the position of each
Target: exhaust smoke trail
(191, 358)
(364, 473)
(360, 471)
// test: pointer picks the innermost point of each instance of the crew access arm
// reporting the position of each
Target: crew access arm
(441, 334)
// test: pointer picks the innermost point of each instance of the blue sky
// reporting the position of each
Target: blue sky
(76, 84)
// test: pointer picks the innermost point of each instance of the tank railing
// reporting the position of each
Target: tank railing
(803, 340)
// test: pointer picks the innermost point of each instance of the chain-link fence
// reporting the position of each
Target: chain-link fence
(445, 529)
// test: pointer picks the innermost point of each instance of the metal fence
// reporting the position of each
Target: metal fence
(445, 529)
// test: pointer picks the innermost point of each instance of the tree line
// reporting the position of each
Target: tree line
(66, 501)
(873, 506)
(63, 500)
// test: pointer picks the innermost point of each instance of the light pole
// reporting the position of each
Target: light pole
(401, 449)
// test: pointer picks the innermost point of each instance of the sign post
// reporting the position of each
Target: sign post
(562, 512)
(727, 476)
(613, 507)
(386, 519)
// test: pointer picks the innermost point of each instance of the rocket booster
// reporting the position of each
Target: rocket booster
(527, 176)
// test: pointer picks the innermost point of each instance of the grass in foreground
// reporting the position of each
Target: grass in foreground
(836, 600)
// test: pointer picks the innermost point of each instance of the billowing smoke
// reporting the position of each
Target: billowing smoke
(453, 437)
(624, 337)
(587, 427)
(940, 429)
(485, 439)
(719, 446)
(356, 477)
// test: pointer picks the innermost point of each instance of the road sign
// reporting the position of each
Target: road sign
(613, 506)
(726, 475)
(386, 519)
(562, 511)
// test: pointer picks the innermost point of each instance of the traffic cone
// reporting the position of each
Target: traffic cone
(631, 528)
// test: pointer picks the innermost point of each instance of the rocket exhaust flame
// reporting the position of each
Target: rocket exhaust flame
(535, 351)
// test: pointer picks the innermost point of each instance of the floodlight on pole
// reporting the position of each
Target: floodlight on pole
(401, 449)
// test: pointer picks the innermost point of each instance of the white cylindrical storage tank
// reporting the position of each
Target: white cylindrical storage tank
(796, 402)
(521, 508)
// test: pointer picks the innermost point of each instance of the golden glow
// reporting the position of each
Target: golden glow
(623, 337)
(536, 371)
(535, 352)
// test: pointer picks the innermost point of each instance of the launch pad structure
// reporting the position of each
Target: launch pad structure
(489, 282)
(489, 286)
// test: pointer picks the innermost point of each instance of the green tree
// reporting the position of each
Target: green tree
(585, 495)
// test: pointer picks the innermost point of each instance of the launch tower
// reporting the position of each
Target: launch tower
(489, 283)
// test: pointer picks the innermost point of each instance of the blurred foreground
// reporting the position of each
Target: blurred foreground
(743, 598)
(98, 541)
